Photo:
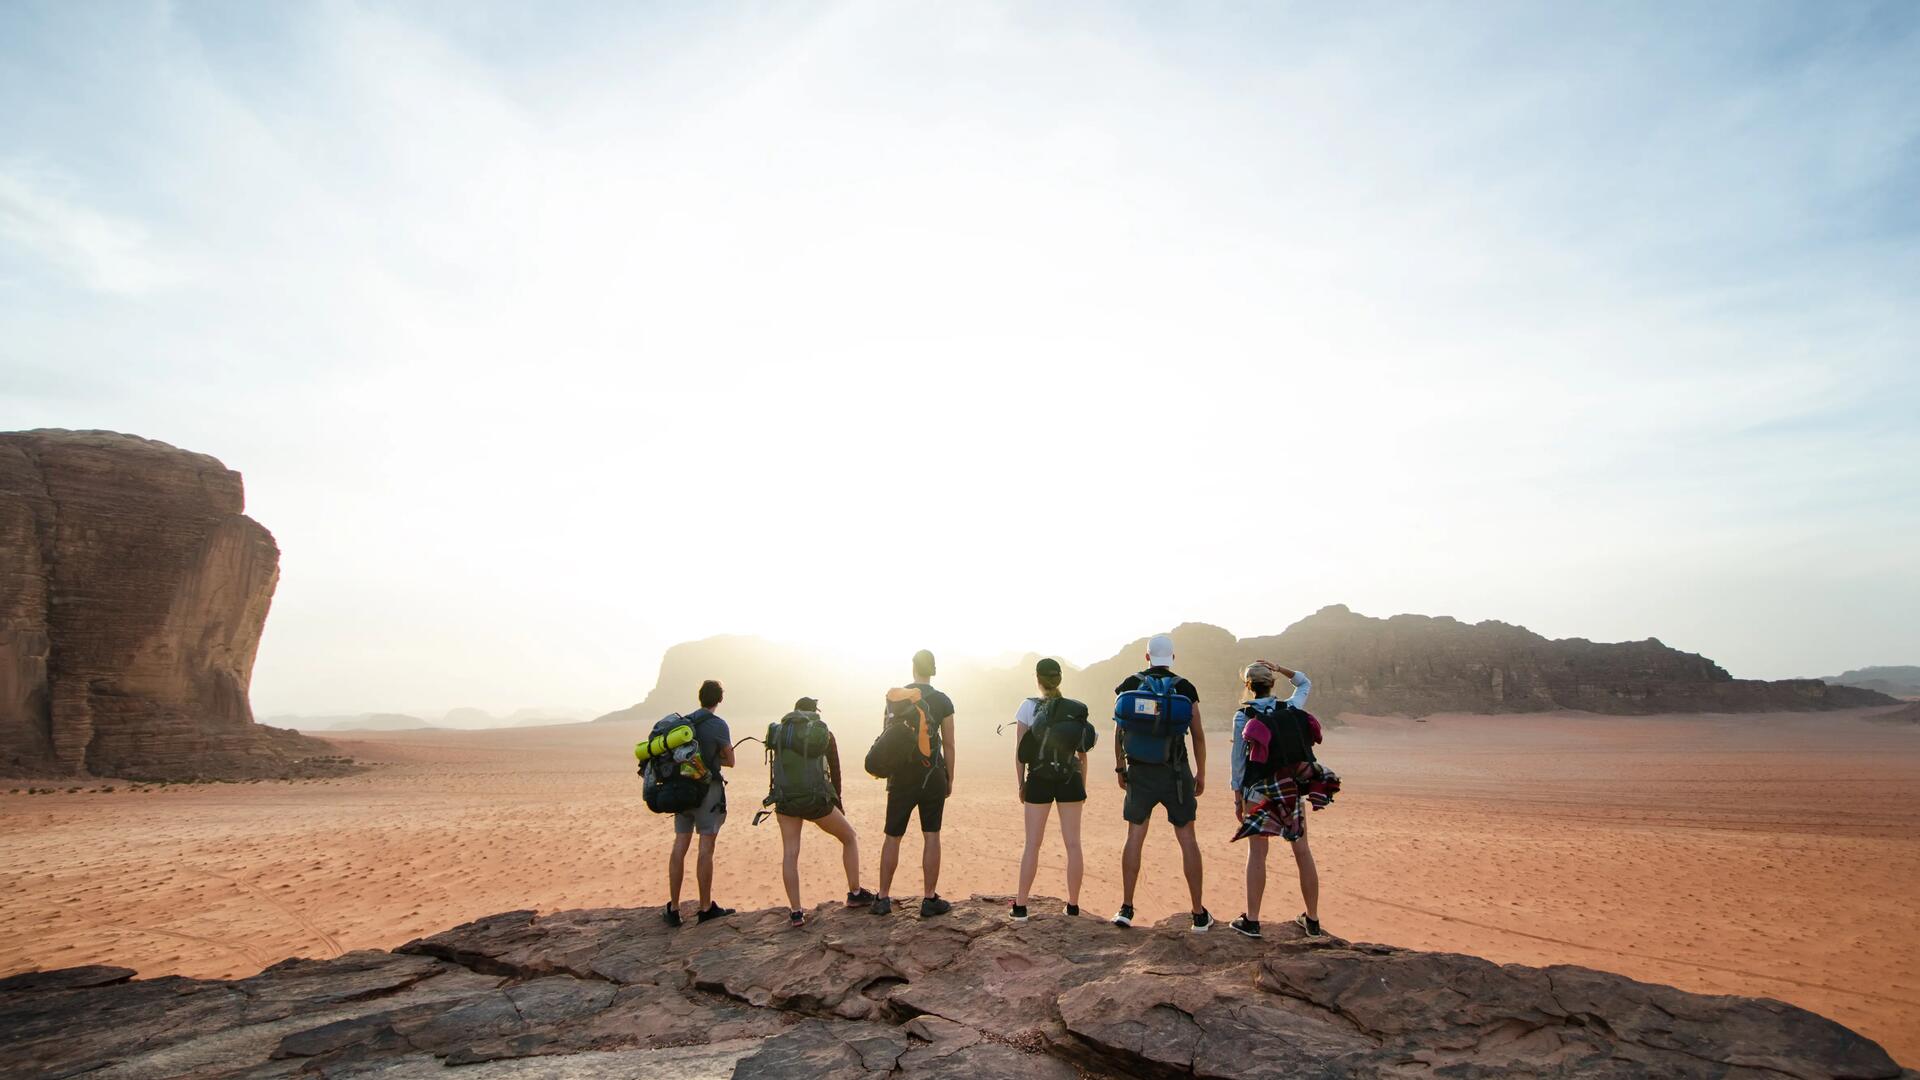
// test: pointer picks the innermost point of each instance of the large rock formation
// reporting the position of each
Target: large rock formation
(614, 993)
(132, 595)
(1415, 664)
(1899, 680)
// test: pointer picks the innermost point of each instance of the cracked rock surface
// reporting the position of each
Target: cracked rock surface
(615, 993)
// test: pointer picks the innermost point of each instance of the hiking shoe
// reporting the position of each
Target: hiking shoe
(1125, 917)
(883, 906)
(1073, 909)
(861, 898)
(1202, 921)
(1249, 927)
(672, 915)
(1311, 926)
(796, 919)
(932, 906)
(1019, 913)
(712, 913)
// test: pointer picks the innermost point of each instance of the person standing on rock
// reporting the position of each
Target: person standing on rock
(1050, 766)
(716, 746)
(923, 787)
(803, 773)
(1275, 778)
(1158, 711)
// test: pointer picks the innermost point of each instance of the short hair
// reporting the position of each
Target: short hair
(1262, 685)
(710, 693)
(922, 664)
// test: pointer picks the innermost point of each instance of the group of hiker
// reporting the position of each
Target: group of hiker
(1159, 756)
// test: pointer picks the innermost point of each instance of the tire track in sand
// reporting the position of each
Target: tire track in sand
(312, 927)
(1609, 951)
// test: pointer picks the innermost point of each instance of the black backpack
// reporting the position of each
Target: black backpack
(1289, 743)
(666, 785)
(1060, 733)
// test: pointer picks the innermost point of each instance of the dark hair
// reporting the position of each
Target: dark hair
(710, 693)
(1259, 688)
(1049, 684)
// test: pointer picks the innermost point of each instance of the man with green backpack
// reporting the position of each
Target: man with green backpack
(681, 762)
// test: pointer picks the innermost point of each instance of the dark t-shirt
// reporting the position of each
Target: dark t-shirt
(712, 734)
(1182, 687)
(939, 707)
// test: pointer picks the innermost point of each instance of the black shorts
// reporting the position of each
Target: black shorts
(1170, 786)
(927, 793)
(1054, 785)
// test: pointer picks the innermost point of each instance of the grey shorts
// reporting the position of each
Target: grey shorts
(1170, 786)
(707, 819)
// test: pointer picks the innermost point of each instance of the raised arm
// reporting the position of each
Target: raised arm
(1302, 686)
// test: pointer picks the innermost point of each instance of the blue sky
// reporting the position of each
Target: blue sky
(545, 339)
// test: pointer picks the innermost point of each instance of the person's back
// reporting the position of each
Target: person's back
(921, 787)
(715, 742)
(803, 784)
(1155, 769)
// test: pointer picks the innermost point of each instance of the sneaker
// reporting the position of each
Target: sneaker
(1202, 921)
(1311, 926)
(672, 915)
(1249, 927)
(1074, 910)
(932, 906)
(1125, 917)
(712, 913)
(861, 898)
(796, 919)
(1019, 913)
(883, 906)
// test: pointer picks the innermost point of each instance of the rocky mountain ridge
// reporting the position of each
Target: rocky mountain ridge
(133, 590)
(614, 993)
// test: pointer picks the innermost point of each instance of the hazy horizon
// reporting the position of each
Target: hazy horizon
(546, 340)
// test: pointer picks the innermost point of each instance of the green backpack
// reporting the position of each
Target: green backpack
(797, 782)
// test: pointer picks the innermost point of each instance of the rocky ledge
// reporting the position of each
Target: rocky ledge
(615, 993)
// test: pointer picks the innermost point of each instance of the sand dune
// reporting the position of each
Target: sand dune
(1772, 855)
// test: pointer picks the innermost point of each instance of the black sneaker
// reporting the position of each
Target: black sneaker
(672, 915)
(1311, 926)
(932, 906)
(1125, 916)
(1202, 921)
(712, 913)
(1073, 909)
(882, 906)
(1249, 927)
(861, 898)
(1019, 913)
(796, 919)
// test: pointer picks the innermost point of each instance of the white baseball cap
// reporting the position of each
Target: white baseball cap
(1160, 650)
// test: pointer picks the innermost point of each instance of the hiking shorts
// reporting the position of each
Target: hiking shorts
(1170, 786)
(706, 818)
(1054, 785)
(930, 798)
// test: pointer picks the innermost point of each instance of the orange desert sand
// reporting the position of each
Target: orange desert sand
(1767, 855)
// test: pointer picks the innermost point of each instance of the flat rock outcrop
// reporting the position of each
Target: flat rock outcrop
(132, 595)
(971, 995)
(1414, 665)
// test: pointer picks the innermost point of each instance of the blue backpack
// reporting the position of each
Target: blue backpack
(1153, 719)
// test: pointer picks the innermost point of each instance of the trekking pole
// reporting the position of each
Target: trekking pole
(748, 739)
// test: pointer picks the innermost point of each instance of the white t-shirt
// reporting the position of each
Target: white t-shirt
(1024, 715)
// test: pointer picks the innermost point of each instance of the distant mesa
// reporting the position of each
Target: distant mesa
(1898, 680)
(1905, 714)
(1406, 665)
(133, 591)
(359, 722)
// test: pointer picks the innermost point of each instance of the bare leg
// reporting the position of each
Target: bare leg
(790, 858)
(1130, 861)
(930, 863)
(1309, 877)
(1190, 862)
(837, 826)
(1030, 855)
(1256, 875)
(703, 870)
(1070, 832)
(889, 862)
(677, 867)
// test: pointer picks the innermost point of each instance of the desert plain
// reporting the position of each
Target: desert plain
(1773, 855)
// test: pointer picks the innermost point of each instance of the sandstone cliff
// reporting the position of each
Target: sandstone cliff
(971, 996)
(1415, 665)
(132, 595)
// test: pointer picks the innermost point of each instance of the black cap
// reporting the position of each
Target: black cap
(806, 704)
(1047, 668)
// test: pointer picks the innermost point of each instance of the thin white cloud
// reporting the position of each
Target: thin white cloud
(97, 250)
